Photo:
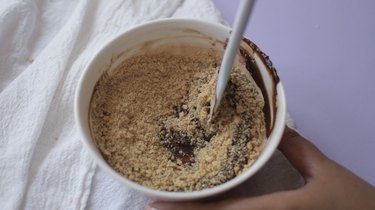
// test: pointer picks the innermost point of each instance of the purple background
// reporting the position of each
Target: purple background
(325, 55)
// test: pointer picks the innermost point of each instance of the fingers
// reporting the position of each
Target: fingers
(302, 154)
(281, 200)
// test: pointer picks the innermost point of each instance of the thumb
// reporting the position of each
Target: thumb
(302, 154)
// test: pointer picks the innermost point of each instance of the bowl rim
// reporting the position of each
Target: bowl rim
(279, 125)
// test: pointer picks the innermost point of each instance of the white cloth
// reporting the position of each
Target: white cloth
(44, 46)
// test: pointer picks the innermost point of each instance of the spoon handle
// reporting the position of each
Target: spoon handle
(235, 38)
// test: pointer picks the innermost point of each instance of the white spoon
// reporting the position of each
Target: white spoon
(240, 22)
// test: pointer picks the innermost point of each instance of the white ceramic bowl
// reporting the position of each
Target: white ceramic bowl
(192, 32)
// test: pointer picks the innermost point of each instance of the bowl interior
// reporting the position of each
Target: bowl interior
(195, 33)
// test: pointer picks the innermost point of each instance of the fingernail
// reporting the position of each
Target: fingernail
(150, 208)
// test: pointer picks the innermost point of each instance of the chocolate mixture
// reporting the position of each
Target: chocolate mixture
(149, 119)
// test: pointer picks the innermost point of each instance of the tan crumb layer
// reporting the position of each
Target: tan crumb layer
(149, 119)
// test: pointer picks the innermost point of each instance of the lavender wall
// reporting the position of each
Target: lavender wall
(324, 51)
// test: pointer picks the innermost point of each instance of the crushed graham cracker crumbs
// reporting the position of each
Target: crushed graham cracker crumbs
(149, 119)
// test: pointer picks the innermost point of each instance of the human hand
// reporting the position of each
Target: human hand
(328, 186)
